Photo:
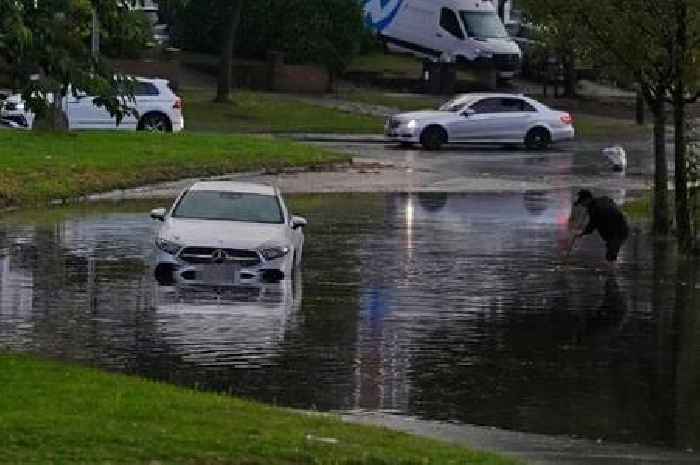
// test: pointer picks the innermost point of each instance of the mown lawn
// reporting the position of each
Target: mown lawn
(57, 413)
(259, 112)
(38, 167)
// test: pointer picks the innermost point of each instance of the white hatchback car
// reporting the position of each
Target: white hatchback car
(225, 233)
(483, 119)
(158, 109)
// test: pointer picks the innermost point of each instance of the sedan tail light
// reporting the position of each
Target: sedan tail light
(178, 104)
(567, 119)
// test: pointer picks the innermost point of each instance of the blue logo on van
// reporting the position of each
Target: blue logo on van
(380, 13)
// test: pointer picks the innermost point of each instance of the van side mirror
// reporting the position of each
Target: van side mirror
(158, 214)
(468, 112)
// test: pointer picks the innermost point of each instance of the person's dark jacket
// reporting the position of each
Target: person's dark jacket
(607, 219)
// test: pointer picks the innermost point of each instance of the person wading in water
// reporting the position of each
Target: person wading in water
(605, 217)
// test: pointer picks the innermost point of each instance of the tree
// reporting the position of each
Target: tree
(323, 32)
(50, 38)
(663, 64)
(223, 89)
(560, 35)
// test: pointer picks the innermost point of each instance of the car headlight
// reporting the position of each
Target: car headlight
(412, 124)
(273, 252)
(167, 246)
(483, 53)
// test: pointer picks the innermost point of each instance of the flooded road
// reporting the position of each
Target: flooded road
(454, 307)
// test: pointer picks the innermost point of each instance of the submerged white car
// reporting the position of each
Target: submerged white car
(223, 233)
(483, 119)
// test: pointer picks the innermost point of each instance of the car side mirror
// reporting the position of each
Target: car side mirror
(158, 214)
(298, 222)
(468, 112)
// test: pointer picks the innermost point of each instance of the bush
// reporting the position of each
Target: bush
(324, 32)
(128, 37)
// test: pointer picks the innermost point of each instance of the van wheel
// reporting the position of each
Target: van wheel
(155, 122)
(433, 137)
(538, 139)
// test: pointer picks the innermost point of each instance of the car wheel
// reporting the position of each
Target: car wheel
(155, 122)
(433, 137)
(538, 139)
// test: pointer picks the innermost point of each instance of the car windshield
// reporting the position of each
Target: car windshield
(229, 206)
(483, 25)
(455, 105)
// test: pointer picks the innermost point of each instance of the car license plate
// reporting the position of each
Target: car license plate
(219, 274)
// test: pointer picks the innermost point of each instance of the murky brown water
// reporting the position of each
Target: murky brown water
(452, 307)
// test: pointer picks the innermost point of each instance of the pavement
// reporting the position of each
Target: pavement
(534, 449)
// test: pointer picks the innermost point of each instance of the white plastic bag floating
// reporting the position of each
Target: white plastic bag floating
(616, 157)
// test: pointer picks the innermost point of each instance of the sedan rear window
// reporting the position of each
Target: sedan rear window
(229, 206)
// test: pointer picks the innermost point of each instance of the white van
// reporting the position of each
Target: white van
(463, 31)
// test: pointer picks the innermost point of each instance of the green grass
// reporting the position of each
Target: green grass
(593, 127)
(260, 112)
(390, 65)
(54, 413)
(37, 167)
(641, 209)
(408, 102)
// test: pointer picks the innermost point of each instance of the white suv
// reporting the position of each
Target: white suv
(157, 108)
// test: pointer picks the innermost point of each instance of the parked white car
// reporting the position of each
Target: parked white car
(158, 109)
(483, 118)
(225, 233)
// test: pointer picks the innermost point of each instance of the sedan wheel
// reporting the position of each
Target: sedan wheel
(433, 137)
(538, 139)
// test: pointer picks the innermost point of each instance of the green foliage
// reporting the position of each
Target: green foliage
(325, 32)
(62, 414)
(127, 37)
(51, 40)
(267, 113)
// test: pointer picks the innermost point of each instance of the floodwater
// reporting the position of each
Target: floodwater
(456, 307)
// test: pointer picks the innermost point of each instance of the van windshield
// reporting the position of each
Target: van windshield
(483, 25)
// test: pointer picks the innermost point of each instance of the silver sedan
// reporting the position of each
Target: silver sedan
(483, 119)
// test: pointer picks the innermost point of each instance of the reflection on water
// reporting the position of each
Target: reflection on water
(455, 307)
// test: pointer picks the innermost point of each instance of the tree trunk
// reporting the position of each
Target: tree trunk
(680, 58)
(223, 89)
(662, 221)
(685, 239)
(639, 108)
(570, 78)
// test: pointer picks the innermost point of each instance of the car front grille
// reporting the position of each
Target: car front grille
(197, 255)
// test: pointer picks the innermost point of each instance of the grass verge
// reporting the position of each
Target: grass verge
(57, 413)
(268, 113)
(35, 167)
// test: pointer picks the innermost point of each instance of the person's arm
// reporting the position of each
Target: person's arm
(592, 223)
